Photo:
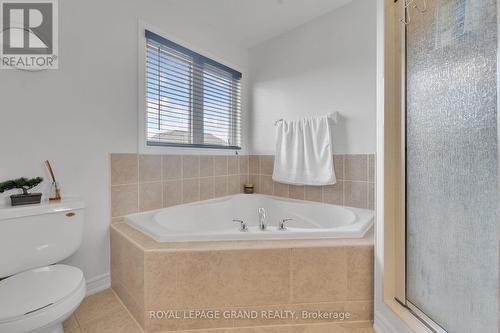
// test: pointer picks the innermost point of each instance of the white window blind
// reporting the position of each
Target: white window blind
(192, 101)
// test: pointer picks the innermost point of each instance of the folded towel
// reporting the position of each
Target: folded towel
(304, 152)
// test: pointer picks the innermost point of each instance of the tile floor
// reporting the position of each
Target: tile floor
(104, 313)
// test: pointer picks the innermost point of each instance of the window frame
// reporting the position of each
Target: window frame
(164, 148)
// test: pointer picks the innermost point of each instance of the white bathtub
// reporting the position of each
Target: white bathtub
(213, 220)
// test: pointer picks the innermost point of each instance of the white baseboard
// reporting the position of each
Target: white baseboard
(98, 283)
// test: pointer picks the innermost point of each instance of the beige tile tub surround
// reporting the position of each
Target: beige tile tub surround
(146, 182)
(104, 313)
(355, 185)
(334, 275)
(328, 275)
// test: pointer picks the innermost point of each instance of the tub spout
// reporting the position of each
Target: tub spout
(262, 219)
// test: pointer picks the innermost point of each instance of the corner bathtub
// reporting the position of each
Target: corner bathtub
(213, 220)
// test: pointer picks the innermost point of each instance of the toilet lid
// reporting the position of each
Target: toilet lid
(36, 289)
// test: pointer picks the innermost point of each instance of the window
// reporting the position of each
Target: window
(191, 100)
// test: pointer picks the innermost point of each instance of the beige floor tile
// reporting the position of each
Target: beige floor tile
(358, 327)
(136, 309)
(72, 330)
(70, 325)
(117, 322)
(97, 306)
(214, 330)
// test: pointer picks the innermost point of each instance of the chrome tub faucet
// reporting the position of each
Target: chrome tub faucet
(262, 219)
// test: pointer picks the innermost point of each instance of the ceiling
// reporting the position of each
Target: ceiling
(247, 23)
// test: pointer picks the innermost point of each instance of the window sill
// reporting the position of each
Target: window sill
(188, 149)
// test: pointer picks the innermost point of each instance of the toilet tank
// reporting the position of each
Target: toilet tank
(39, 235)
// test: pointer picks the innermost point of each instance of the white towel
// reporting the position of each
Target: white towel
(304, 154)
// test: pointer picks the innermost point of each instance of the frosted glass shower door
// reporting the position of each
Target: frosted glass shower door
(451, 164)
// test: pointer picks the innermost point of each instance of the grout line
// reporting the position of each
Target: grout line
(356, 181)
(76, 318)
(182, 192)
(240, 159)
(213, 175)
(149, 182)
(125, 184)
(126, 310)
(182, 167)
(199, 166)
(163, 194)
(199, 190)
(291, 276)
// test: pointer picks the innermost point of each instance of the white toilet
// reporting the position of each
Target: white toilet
(36, 293)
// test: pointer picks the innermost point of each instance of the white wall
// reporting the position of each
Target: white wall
(76, 115)
(326, 65)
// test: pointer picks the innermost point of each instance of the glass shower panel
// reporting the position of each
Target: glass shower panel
(451, 164)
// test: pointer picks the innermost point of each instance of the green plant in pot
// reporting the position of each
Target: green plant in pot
(25, 185)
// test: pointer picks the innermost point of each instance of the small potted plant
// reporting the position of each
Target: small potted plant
(25, 185)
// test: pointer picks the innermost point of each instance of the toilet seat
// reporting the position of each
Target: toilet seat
(37, 298)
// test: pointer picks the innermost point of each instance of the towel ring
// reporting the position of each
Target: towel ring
(333, 116)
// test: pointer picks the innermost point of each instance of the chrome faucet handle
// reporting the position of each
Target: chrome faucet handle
(282, 224)
(243, 225)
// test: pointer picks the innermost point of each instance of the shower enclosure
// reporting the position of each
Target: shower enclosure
(450, 164)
